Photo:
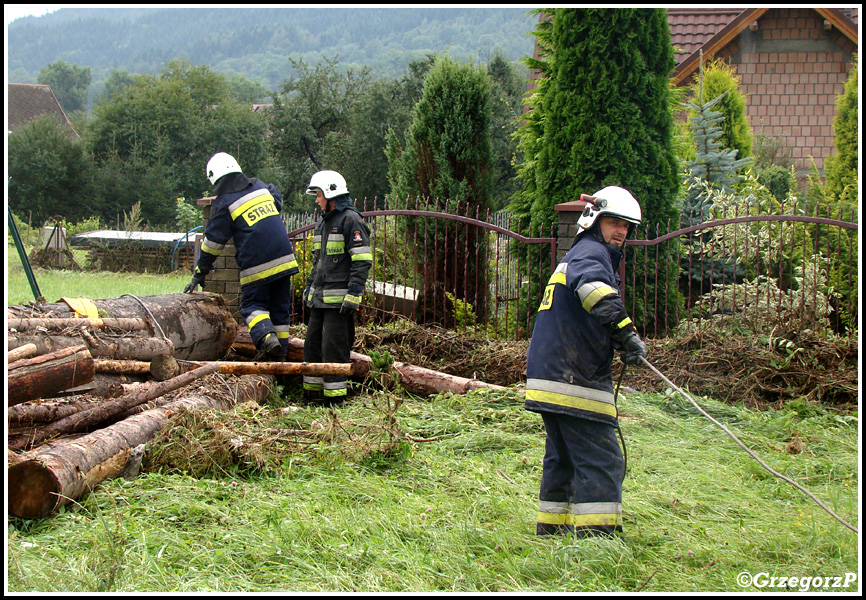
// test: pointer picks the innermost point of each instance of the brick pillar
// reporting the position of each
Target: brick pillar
(569, 213)
(225, 278)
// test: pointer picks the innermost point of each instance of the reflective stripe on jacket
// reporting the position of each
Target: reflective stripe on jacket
(568, 365)
(250, 218)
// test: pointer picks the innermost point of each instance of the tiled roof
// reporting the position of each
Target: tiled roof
(691, 28)
(27, 101)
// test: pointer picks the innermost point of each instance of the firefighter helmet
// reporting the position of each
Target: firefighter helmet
(611, 201)
(221, 164)
(330, 182)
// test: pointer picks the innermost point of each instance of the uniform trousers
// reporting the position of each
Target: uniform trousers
(330, 337)
(581, 480)
(267, 308)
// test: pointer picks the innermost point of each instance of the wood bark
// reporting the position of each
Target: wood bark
(361, 363)
(22, 352)
(199, 325)
(80, 421)
(426, 381)
(131, 347)
(31, 414)
(29, 324)
(237, 368)
(45, 375)
(48, 478)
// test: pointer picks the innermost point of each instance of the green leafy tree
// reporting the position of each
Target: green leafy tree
(49, 172)
(159, 133)
(508, 89)
(600, 116)
(308, 108)
(448, 157)
(68, 82)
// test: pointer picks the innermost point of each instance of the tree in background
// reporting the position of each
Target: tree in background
(718, 79)
(841, 199)
(601, 117)
(50, 173)
(151, 140)
(447, 157)
(68, 82)
(309, 107)
(509, 87)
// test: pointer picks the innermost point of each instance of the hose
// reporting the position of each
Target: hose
(749, 451)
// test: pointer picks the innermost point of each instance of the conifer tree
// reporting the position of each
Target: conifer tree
(600, 116)
(447, 157)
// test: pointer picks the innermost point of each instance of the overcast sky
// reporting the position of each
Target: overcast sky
(15, 11)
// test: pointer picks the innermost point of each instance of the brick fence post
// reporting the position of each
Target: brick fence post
(225, 278)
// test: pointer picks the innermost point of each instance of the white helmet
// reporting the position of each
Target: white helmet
(221, 164)
(611, 201)
(330, 182)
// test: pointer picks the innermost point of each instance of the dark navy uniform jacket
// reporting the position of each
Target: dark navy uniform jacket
(341, 256)
(568, 368)
(250, 217)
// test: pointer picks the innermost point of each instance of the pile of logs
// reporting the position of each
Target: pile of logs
(135, 363)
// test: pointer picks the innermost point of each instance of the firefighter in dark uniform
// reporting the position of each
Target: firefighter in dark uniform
(247, 211)
(341, 262)
(580, 321)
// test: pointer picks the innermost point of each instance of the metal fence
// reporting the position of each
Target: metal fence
(453, 266)
(444, 264)
(790, 270)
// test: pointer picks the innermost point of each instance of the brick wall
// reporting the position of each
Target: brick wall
(225, 277)
(791, 71)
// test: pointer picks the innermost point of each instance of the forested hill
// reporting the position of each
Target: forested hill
(257, 42)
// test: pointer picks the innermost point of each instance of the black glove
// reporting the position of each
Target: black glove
(351, 305)
(197, 280)
(632, 347)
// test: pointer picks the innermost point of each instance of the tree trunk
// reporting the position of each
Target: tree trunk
(48, 478)
(24, 324)
(31, 415)
(199, 325)
(45, 375)
(243, 345)
(237, 368)
(22, 352)
(426, 381)
(102, 411)
(135, 348)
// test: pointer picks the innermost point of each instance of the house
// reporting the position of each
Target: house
(28, 101)
(792, 64)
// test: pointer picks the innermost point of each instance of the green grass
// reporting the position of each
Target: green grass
(56, 284)
(457, 513)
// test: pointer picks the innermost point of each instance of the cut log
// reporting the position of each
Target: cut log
(22, 352)
(25, 324)
(236, 368)
(102, 411)
(50, 478)
(419, 380)
(243, 345)
(45, 375)
(129, 347)
(30, 414)
(199, 325)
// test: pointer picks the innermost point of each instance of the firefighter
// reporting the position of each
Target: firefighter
(341, 262)
(247, 211)
(580, 322)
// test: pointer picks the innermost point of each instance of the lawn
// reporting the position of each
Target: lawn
(452, 507)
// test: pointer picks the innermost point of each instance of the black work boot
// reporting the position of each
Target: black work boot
(270, 349)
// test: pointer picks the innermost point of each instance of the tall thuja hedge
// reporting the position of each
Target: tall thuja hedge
(602, 117)
(447, 158)
(841, 196)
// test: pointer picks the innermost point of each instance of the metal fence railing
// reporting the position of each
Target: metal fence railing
(785, 270)
(449, 265)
